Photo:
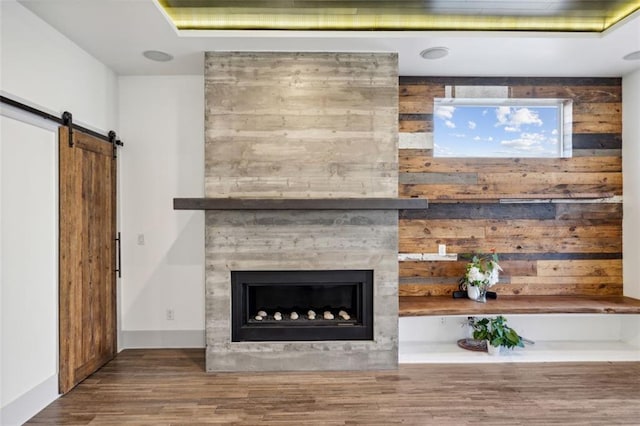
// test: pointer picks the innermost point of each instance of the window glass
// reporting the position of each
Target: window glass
(501, 128)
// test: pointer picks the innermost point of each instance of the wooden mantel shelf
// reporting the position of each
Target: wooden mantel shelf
(441, 305)
(299, 203)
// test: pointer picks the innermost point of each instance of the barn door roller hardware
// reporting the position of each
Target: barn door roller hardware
(67, 120)
(114, 142)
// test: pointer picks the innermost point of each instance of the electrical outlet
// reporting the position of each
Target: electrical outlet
(140, 239)
(170, 314)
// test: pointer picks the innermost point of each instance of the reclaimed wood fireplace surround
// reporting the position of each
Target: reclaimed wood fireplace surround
(303, 171)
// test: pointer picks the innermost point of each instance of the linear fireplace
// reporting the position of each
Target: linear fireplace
(302, 305)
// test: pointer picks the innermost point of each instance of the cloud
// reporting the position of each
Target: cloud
(525, 116)
(444, 112)
(502, 114)
(481, 139)
(450, 124)
(512, 118)
(526, 142)
(471, 124)
(554, 132)
(485, 112)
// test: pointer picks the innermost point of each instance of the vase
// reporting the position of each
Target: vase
(479, 294)
(493, 350)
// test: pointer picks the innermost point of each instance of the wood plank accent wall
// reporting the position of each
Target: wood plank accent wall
(560, 248)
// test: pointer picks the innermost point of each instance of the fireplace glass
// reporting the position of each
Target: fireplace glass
(302, 305)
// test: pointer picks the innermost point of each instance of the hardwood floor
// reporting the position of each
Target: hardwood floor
(163, 387)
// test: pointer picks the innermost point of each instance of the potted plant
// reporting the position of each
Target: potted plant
(481, 273)
(496, 333)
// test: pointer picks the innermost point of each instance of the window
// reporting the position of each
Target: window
(502, 127)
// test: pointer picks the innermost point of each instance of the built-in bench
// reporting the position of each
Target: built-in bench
(441, 305)
(564, 328)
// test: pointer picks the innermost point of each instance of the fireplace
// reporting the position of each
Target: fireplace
(301, 153)
(302, 305)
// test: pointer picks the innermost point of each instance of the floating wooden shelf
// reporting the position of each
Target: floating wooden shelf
(441, 305)
(299, 203)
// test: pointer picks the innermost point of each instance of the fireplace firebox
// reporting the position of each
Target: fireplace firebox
(301, 305)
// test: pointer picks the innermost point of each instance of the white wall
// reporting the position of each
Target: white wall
(29, 238)
(631, 181)
(631, 196)
(162, 121)
(46, 70)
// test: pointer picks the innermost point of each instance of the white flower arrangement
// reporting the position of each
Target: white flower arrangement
(483, 271)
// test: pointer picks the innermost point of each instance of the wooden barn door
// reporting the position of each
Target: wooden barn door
(87, 287)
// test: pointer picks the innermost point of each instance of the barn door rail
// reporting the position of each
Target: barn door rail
(66, 120)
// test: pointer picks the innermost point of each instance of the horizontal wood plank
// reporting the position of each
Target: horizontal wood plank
(457, 269)
(597, 141)
(415, 126)
(417, 161)
(598, 267)
(516, 190)
(597, 153)
(553, 228)
(424, 306)
(588, 94)
(485, 211)
(589, 211)
(511, 245)
(510, 81)
(599, 124)
(454, 228)
(613, 109)
(418, 99)
(550, 178)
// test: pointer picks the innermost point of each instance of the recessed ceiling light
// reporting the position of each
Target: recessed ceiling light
(156, 55)
(434, 53)
(633, 56)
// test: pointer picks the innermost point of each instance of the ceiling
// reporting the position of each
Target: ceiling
(515, 15)
(116, 32)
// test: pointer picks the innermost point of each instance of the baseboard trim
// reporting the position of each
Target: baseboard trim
(31, 403)
(155, 339)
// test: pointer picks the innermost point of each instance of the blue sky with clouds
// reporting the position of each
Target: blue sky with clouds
(495, 131)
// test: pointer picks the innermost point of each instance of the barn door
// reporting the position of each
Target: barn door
(87, 285)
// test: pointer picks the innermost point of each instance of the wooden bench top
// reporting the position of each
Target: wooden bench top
(441, 305)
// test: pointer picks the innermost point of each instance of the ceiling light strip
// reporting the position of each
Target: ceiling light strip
(197, 19)
(622, 13)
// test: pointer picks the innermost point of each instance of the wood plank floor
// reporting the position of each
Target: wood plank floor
(170, 387)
